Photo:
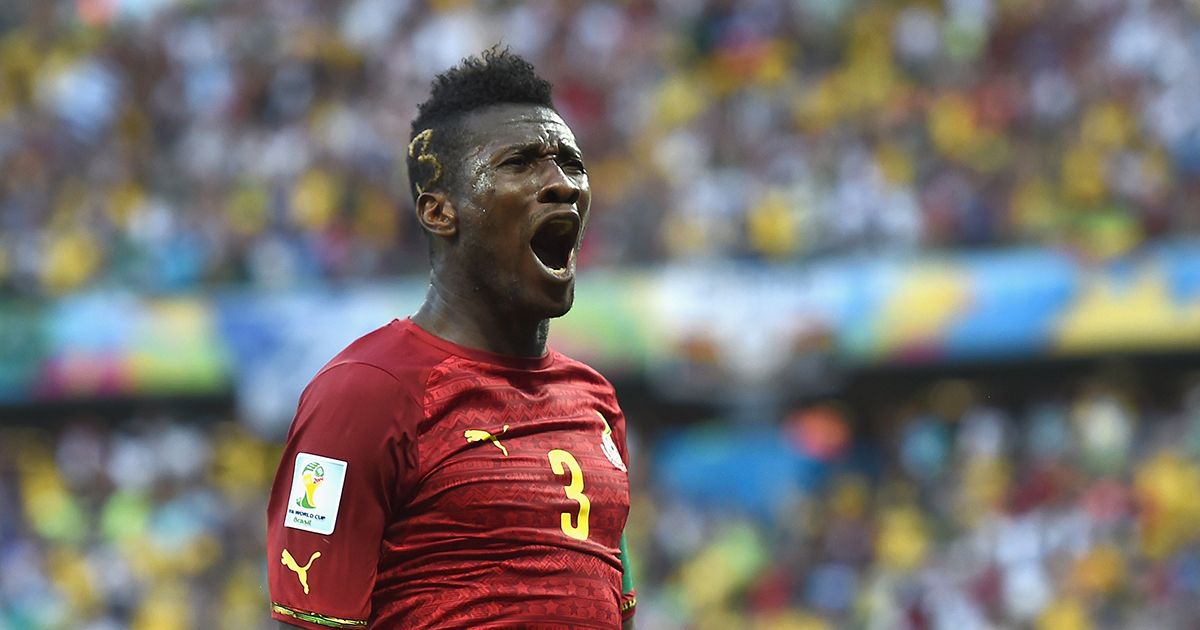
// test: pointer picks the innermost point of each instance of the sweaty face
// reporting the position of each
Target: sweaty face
(522, 209)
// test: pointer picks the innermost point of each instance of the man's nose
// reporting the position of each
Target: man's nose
(557, 187)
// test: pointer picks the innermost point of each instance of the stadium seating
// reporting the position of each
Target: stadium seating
(1072, 509)
(169, 146)
(162, 160)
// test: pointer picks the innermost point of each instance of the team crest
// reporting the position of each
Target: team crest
(316, 493)
(609, 446)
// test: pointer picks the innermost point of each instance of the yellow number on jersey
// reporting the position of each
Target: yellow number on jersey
(574, 491)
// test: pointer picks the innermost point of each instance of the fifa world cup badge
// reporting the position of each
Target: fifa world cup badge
(316, 493)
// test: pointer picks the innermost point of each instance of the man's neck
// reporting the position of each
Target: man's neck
(466, 320)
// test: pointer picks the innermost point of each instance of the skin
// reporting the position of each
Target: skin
(487, 290)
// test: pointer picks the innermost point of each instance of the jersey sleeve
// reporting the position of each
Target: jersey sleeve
(349, 457)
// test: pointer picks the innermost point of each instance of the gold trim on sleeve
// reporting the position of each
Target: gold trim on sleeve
(317, 618)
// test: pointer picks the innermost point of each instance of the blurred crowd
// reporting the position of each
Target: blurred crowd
(153, 524)
(1063, 512)
(1073, 510)
(169, 145)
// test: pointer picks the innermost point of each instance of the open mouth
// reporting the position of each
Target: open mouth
(553, 244)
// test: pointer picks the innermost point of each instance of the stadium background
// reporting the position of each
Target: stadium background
(902, 298)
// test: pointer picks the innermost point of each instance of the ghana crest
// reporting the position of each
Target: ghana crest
(609, 447)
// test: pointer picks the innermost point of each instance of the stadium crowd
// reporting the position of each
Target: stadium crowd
(1069, 511)
(169, 145)
(166, 146)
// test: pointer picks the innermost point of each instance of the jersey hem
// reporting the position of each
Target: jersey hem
(628, 605)
(316, 618)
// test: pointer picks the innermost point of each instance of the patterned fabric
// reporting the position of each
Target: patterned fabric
(477, 491)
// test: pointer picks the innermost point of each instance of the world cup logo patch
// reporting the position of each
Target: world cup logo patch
(310, 510)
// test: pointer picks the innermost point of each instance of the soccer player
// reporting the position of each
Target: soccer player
(449, 470)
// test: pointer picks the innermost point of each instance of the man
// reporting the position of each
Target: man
(449, 471)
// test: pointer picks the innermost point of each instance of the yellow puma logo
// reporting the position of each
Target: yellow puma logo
(301, 571)
(475, 435)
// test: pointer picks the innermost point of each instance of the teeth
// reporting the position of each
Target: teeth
(565, 269)
(560, 227)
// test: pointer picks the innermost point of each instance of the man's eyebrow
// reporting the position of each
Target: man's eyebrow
(569, 150)
(535, 147)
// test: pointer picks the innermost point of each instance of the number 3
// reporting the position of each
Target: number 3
(574, 491)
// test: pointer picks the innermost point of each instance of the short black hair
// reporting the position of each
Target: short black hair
(437, 143)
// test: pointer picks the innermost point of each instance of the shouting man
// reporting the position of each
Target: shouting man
(449, 470)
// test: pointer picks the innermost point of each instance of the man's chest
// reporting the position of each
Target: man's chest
(533, 463)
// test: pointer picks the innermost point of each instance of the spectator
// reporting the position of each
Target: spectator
(173, 146)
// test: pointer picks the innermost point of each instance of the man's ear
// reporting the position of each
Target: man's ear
(437, 214)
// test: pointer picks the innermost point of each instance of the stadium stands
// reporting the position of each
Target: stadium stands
(1069, 509)
(169, 146)
(211, 150)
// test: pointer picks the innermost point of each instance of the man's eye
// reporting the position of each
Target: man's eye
(516, 160)
(575, 166)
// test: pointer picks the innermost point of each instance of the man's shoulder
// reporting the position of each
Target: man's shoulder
(390, 350)
(579, 371)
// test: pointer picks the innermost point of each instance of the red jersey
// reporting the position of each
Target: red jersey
(428, 485)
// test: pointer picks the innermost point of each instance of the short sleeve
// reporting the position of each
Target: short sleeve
(349, 457)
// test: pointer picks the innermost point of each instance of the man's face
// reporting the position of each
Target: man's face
(522, 209)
